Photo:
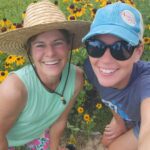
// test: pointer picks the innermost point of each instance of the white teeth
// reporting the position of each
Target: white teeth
(51, 62)
(107, 70)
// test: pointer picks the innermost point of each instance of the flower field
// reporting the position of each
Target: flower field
(88, 115)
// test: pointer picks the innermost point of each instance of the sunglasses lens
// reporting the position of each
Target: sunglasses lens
(121, 50)
(95, 48)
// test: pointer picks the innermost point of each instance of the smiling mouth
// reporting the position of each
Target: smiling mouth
(107, 71)
(51, 62)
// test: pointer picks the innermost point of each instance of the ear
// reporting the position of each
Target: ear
(138, 52)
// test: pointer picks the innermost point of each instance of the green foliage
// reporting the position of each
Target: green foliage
(12, 9)
(3, 57)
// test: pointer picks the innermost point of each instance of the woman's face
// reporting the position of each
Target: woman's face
(111, 72)
(50, 52)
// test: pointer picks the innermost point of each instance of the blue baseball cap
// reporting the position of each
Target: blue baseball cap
(119, 19)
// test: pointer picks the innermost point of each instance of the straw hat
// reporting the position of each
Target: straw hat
(40, 17)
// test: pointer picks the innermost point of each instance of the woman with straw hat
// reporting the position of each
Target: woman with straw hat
(35, 100)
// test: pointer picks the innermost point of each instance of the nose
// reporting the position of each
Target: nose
(49, 51)
(107, 57)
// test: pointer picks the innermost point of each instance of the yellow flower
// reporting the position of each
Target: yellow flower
(71, 8)
(3, 75)
(13, 27)
(72, 139)
(20, 60)
(5, 23)
(23, 15)
(80, 110)
(80, 12)
(72, 17)
(76, 51)
(98, 105)
(11, 59)
(87, 118)
(146, 40)
(76, 1)
(3, 29)
(103, 3)
(65, 1)
(8, 66)
(93, 12)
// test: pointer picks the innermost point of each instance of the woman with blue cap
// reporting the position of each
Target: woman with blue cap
(35, 100)
(115, 45)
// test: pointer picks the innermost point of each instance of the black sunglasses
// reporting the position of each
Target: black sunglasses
(120, 50)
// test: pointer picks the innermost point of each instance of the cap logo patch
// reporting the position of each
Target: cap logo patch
(128, 17)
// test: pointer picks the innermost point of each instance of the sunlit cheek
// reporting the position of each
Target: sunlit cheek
(36, 56)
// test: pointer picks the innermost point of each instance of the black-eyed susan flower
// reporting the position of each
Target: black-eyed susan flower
(8, 66)
(77, 1)
(80, 12)
(3, 75)
(13, 26)
(7, 23)
(146, 40)
(11, 59)
(72, 17)
(98, 105)
(20, 60)
(3, 29)
(71, 8)
(103, 3)
(87, 118)
(65, 1)
(93, 12)
(80, 110)
(130, 2)
(23, 15)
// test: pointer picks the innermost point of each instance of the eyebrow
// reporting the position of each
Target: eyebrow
(60, 39)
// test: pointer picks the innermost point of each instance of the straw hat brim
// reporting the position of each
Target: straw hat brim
(13, 41)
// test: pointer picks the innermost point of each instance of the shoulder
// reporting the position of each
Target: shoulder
(141, 74)
(142, 67)
(13, 90)
(141, 80)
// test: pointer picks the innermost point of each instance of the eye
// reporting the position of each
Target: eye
(39, 45)
(59, 43)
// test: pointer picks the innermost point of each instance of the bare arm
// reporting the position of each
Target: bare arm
(58, 127)
(12, 101)
(144, 137)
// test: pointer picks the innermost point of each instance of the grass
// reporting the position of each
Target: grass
(12, 9)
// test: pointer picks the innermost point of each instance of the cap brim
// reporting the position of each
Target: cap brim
(13, 41)
(118, 31)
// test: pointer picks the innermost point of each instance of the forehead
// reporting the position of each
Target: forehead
(50, 34)
(108, 37)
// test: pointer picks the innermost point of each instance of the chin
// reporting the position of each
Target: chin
(107, 83)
